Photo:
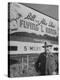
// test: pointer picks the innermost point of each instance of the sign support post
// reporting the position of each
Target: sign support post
(27, 62)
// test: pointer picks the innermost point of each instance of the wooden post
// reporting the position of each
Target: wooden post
(22, 64)
(27, 62)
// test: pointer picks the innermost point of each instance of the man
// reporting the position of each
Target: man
(45, 64)
(50, 62)
(40, 64)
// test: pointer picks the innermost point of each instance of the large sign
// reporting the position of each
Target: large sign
(26, 47)
(29, 48)
(24, 19)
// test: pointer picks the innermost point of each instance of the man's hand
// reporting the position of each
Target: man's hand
(39, 64)
(54, 73)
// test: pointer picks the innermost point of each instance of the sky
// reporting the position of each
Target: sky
(50, 10)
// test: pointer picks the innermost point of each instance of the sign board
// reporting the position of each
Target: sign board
(29, 48)
(26, 47)
(24, 19)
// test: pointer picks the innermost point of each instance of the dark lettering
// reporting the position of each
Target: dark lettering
(51, 31)
(42, 30)
(30, 17)
(43, 21)
(25, 48)
(31, 48)
(28, 25)
(51, 24)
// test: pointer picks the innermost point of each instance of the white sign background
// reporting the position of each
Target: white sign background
(37, 47)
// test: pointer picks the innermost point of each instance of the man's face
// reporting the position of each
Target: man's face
(48, 50)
